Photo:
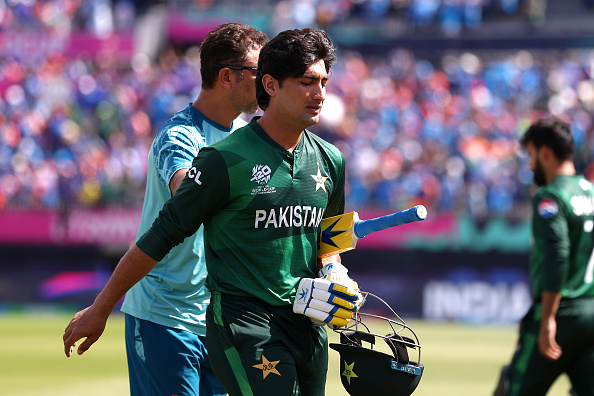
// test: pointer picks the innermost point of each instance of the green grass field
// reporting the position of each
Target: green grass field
(459, 360)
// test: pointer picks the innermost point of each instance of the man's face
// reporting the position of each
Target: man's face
(244, 92)
(536, 165)
(300, 99)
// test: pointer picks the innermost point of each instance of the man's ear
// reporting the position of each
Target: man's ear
(545, 154)
(270, 84)
(225, 77)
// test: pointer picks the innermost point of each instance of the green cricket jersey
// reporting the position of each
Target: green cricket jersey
(261, 207)
(563, 218)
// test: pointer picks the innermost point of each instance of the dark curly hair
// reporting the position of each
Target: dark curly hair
(552, 132)
(289, 54)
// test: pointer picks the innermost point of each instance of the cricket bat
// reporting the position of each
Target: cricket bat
(340, 233)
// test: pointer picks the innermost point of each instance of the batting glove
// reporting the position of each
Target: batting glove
(335, 272)
(325, 302)
(338, 273)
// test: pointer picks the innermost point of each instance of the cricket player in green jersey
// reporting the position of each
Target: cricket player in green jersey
(260, 194)
(557, 333)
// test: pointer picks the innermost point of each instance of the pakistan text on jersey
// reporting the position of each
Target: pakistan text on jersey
(289, 216)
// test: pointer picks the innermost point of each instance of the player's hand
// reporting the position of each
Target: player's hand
(337, 272)
(87, 324)
(547, 345)
(325, 302)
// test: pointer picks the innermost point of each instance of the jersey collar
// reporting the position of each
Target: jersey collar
(262, 134)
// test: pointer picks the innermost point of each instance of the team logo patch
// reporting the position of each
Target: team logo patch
(267, 367)
(348, 371)
(547, 208)
(320, 180)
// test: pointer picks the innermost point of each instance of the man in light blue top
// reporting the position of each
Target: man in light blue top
(165, 309)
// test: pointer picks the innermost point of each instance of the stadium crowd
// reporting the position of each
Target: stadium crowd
(441, 130)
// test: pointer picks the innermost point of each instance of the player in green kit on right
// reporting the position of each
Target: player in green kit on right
(557, 333)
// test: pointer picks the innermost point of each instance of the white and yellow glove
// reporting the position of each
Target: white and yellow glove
(337, 272)
(325, 302)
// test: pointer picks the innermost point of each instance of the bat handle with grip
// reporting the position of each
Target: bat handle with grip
(366, 227)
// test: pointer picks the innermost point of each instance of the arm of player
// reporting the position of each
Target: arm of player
(177, 179)
(90, 322)
(547, 345)
(325, 302)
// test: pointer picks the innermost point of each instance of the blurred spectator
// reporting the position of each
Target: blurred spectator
(439, 130)
(445, 132)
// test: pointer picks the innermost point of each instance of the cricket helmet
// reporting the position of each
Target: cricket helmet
(365, 371)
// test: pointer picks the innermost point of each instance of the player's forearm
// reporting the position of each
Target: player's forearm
(547, 333)
(549, 305)
(133, 266)
(327, 260)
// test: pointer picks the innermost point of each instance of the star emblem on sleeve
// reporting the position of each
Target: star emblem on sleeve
(348, 371)
(267, 367)
(320, 180)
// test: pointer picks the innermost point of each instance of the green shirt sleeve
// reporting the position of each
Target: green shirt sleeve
(337, 199)
(203, 191)
(551, 223)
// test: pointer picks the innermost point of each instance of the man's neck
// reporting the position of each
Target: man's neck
(215, 108)
(287, 135)
(565, 168)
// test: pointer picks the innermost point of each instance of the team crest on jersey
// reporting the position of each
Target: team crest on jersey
(320, 180)
(547, 208)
